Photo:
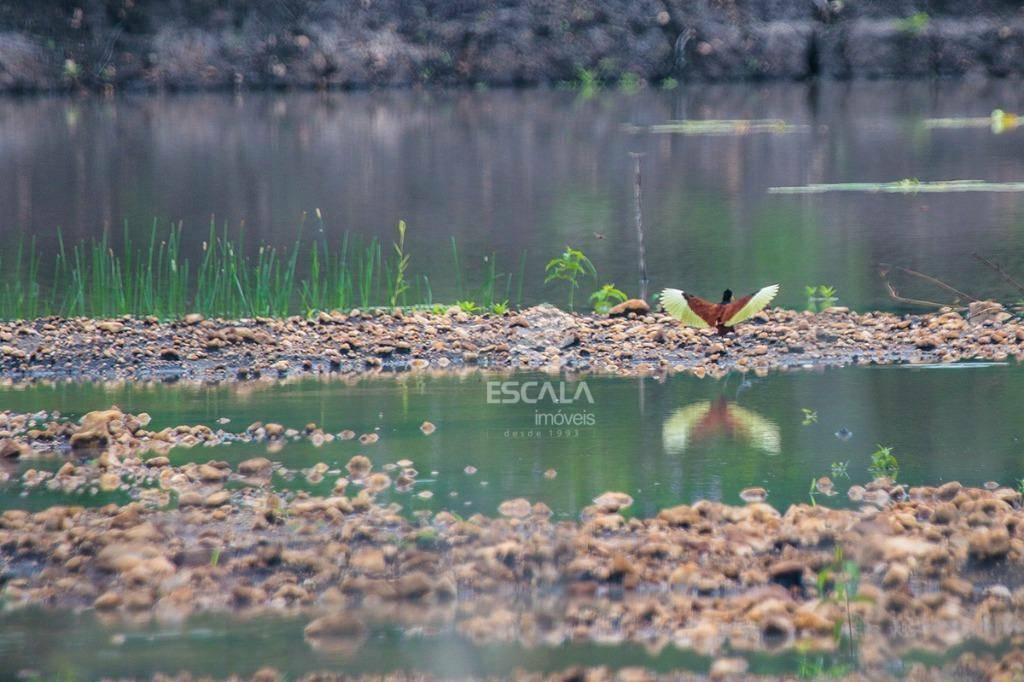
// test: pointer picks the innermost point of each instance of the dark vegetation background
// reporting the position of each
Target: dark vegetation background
(180, 44)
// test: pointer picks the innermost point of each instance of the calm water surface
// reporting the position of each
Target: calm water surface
(663, 443)
(515, 171)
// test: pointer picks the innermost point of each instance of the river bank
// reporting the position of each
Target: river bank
(309, 44)
(539, 338)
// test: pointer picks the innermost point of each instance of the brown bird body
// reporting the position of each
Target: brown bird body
(724, 316)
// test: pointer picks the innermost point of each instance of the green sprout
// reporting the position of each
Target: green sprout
(884, 463)
(839, 583)
(568, 267)
(810, 416)
(397, 269)
(606, 297)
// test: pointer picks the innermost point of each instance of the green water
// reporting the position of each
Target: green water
(508, 171)
(38, 644)
(664, 443)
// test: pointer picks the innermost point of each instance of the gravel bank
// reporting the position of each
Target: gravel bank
(539, 338)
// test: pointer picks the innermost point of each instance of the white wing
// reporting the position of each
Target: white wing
(674, 303)
(675, 432)
(757, 303)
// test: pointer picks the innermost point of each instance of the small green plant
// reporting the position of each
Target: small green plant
(426, 538)
(397, 269)
(810, 416)
(915, 23)
(820, 296)
(587, 83)
(884, 463)
(568, 267)
(499, 308)
(606, 297)
(215, 556)
(839, 583)
(439, 309)
(468, 307)
(808, 668)
(813, 492)
(839, 469)
(629, 82)
(669, 83)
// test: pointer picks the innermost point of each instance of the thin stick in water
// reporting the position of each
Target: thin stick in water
(639, 215)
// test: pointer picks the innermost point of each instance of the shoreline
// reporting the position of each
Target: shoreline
(541, 338)
(147, 46)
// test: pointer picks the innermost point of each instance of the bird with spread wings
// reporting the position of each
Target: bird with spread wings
(696, 312)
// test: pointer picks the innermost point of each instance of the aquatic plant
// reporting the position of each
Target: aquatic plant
(905, 186)
(104, 277)
(884, 463)
(810, 416)
(839, 583)
(813, 491)
(669, 83)
(499, 308)
(396, 270)
(606, 297)
(839, 469)
(469, 307)
(720, 127)
(998, 122)
(569, 267)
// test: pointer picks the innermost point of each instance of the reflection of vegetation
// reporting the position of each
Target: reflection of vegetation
(720, 127)
(884, 463)
(905, 186)
(569, 267)
(606, 297)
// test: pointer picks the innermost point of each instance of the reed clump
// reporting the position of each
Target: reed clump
(98, 278)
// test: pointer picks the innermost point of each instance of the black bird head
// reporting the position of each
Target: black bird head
(727, 296)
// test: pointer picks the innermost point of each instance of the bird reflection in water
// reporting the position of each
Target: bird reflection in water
(705, 420)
